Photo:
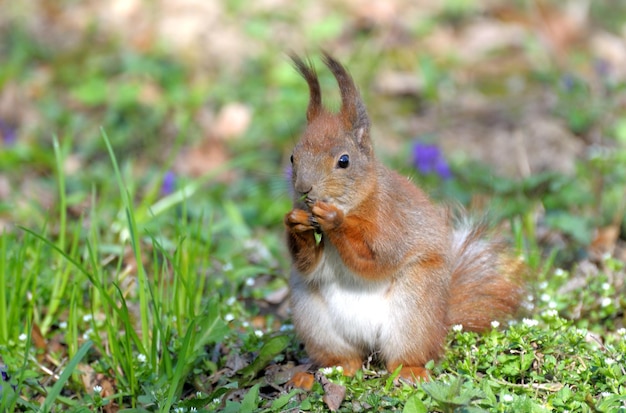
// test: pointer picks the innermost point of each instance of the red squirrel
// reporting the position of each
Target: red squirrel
(377, 267)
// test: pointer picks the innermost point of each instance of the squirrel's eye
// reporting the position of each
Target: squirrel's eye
(344, 161)
(291, 159)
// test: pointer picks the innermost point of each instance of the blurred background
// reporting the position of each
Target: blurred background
(522, 101)
(143, 155)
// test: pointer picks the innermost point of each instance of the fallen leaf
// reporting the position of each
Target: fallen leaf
(235, 361)
(279, 374)
(334, 394)
(604, 241)
(38, 341)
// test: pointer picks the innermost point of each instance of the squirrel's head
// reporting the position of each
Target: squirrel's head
(334, 159)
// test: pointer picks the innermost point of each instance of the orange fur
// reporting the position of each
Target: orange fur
(391, 273)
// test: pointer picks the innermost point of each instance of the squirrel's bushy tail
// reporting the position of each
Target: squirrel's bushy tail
(486, 283)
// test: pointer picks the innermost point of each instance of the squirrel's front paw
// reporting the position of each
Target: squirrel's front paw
(328, 216)
(299, 220)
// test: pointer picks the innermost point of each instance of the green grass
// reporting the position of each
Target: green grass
(117, 294)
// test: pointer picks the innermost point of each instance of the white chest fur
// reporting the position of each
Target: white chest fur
(357, 309)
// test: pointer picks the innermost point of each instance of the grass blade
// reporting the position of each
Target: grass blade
(67, 373)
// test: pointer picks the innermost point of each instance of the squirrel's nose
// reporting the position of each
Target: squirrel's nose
(303, 188)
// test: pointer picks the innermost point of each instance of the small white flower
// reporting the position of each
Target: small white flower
(245, 324)
(87, 334)
(507, 398)
(609, 361)
(339, 369)
(552, 313)
(559, 272)
(198, 394)
(227, 267)
(141, 358)
(216, 400)
(327, 370)
(530, 297)
(552, 304)
(250, 282)
(229, 317)
(63, 325)
(606, 286)
(258, 333)
(606, 256)
(193, 409)
(606, 301)
(495, 324)
(22, 337)
(545, 297)
(530, 322)
(457, 327)
(621, 331)
(543, 285)
(231, 300)
(97, 389)
(581, 332)
(87, 318)
(606, 394)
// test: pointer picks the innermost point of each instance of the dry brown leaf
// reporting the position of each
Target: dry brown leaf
(91, 379)
(235, 361)
(38, 340)
(279, 374)
(334, 394)
(604, 241)
(87, 376)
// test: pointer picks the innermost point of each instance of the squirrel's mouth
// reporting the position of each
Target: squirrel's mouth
(307, 200)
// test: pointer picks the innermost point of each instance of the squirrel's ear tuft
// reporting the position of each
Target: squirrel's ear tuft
(353, 109)
(307, 71)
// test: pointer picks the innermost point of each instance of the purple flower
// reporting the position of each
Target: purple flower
(429, 158)
(4, 378)
(7, 133)
(169, 183)
(569, 83)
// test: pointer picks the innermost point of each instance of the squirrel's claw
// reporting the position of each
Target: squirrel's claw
(328, 216)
